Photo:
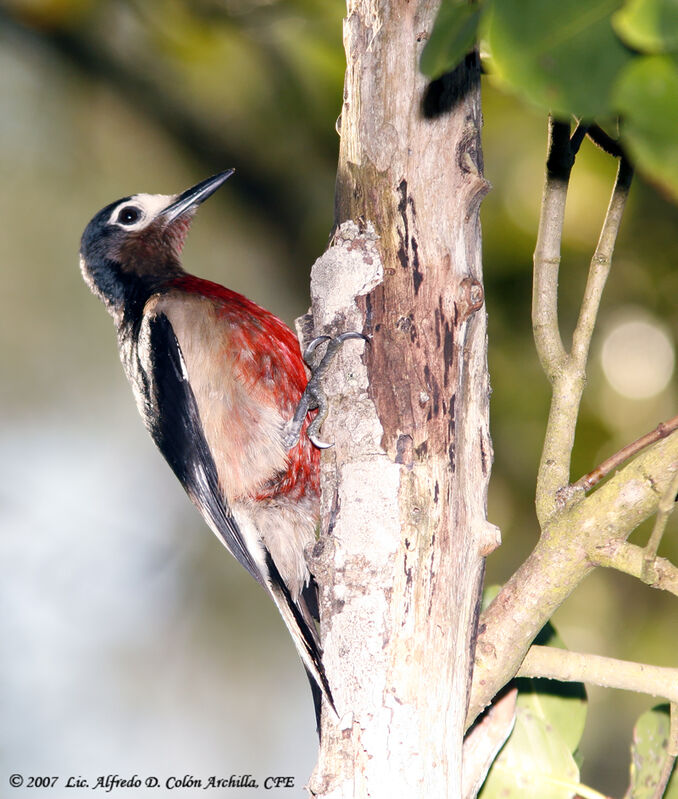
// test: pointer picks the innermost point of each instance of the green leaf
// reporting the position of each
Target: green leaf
(453, 35)
(648, 25)
(560, 705)
(648, 752)
(538, 759)
(489, 593)
(647, 98)
(562, 55)
(535, 763)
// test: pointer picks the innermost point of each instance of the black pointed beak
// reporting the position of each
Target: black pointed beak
(195, 195)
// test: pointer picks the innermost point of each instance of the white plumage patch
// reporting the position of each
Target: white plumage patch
(286, 527)
(147, 205)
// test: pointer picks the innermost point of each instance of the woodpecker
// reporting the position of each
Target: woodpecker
(217, 380)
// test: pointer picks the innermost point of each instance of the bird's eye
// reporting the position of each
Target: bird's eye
(129, 215)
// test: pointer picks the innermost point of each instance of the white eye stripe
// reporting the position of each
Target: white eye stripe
(148, 206)
(139, 223)
(129, 215)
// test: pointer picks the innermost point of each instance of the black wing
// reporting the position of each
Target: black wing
(177, 430)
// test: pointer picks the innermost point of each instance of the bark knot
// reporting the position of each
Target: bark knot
(472, 298)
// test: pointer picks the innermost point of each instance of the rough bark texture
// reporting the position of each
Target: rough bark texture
(404, 487)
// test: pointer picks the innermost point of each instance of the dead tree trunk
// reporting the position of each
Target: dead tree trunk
(404, 487)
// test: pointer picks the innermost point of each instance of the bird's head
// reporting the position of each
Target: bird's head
(133, 245)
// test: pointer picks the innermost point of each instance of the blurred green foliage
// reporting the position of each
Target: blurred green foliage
(104, 98)
(579, 57)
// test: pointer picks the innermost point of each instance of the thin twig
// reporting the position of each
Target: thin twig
(606, 143)
(547, 250)
(663, 429)
(578, 137)
(673, 733)
(561, 664)
(666, 505)
(665, 776)
(568, 372)
(485, 739)
(600, 266)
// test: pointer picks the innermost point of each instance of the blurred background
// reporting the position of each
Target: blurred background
(132, 642)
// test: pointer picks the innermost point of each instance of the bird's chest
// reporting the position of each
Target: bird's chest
(238, 409)
(241, 420)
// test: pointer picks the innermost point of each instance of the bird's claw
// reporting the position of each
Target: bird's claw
(312, 347)
(313, 396)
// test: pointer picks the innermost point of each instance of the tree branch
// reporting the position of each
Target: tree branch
(578, 137)
(560, 664)
(588, 481)
(568, 372)
(561, 560)
(547, 251)
(666, 505)
(600, 267)
(631, 559)
(404, 497)
(604, 141)
(673, 735)
(642, 562)
(485, 739)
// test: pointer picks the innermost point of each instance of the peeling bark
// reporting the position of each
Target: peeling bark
(404, 488)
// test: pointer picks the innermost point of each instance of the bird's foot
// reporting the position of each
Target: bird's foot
(314, 396)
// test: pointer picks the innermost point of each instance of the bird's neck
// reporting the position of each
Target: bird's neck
(138, 289)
